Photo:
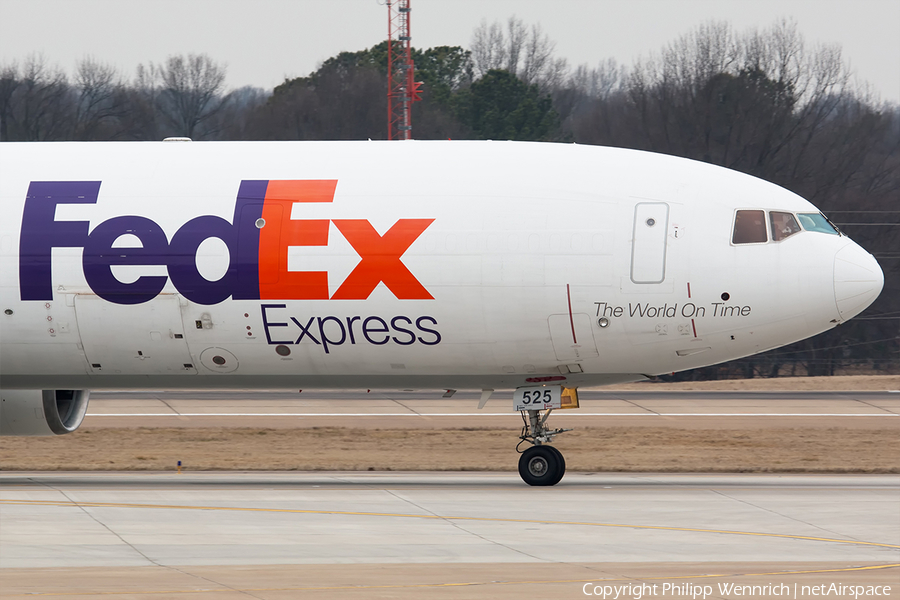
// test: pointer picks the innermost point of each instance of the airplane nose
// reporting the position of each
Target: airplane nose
(858, 280)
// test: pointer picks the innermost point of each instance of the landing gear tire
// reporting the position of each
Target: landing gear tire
(541, 466)
(560, 465)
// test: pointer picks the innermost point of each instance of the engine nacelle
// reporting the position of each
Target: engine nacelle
(42, 412)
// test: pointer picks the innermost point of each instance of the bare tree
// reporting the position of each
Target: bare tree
(525, 52)
(42, 107)
(598, 83)
(754, 102)
(190, 92)
(516, 43)
(9, 83)
(537, 64)
(584, 91)
(99, 98)
(39, 102)
(607, 78)
(488, 48)
(140, 118)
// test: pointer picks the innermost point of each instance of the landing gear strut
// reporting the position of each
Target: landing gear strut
(540, 464)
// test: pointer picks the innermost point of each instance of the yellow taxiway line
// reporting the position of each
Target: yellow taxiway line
(439, 517)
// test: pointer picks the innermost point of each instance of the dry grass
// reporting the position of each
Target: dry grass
(635, 449)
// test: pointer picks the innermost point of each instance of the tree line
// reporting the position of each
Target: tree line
(763, 102)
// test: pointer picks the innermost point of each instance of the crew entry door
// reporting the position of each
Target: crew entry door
(648, 249)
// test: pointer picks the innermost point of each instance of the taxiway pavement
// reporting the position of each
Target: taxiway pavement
(341, 535)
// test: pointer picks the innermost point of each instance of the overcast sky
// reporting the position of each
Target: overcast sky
(264, 41)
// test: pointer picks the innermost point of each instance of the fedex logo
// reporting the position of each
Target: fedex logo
(257, 238)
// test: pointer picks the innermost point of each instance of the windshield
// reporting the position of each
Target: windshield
(817, 222)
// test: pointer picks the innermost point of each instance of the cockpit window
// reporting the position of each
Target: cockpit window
(817, 222)
(784, 225)
(749, 227)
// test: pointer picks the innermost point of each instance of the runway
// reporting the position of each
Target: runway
(289, 535)
(417, 409)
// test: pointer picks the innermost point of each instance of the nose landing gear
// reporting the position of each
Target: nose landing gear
(540, 464)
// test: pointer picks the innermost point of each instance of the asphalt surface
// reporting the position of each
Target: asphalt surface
(289, 535)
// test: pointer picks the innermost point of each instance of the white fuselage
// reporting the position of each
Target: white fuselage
(395, 264)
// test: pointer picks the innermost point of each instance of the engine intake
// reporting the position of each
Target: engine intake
(42, 412)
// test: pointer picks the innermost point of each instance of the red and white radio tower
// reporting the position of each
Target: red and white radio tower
(402, 89)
